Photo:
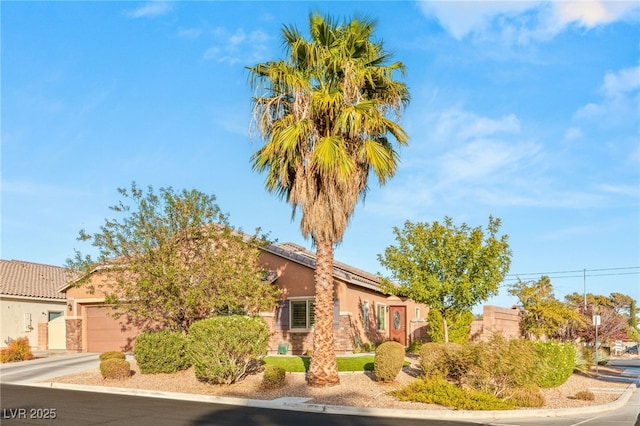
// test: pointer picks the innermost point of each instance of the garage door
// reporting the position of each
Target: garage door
(105, 333)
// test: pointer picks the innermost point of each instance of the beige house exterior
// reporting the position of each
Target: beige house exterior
(31, 305)
(362, 313)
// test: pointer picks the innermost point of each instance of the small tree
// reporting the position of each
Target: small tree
(447, 267)
(174, 259)
(544, 315)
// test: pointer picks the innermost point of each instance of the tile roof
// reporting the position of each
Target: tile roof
(18, 278)
(341, 270)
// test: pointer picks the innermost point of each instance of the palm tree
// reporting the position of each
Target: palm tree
(326, 113)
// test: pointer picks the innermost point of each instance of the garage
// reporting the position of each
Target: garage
(105, 333)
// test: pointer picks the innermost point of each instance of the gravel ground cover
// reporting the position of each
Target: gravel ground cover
(355, 389)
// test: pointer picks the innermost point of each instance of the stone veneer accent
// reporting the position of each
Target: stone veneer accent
(300, 341)
(74, 334)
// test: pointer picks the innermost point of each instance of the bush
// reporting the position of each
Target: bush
(434, 359)
(436, 390)
(112, 355)
(115, 368)
(162, 351)
(527, 397)
(18, 350)
(273, 377)
(499, 365)
(388, 361)
(582, 363)
(555, 365)
(585, 395)
(603, 357)
(223, 348)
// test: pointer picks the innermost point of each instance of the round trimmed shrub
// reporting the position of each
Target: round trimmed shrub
(112, 355)
(434, 360)
(273, 377)
(115, 368)
(556, 362)
(388, 361)
(222, 349)
(161, 351)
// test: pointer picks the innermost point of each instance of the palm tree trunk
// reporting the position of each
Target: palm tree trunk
(323, 370)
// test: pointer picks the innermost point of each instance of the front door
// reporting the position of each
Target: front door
(398, 324)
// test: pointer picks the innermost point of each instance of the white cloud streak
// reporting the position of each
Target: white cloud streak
(238, 46)
(519, 22)
(150, 10)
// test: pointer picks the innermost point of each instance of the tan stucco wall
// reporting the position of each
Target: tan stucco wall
(12, 318)
(504, 321)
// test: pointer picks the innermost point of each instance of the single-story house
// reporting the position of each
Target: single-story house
(31, 304)
(362, 312)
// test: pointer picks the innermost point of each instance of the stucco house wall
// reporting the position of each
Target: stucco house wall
(29, 298)
(291, 269)
(357, 304)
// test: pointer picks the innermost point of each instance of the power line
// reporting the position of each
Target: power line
(583, 273)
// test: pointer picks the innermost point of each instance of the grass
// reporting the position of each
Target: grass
(300, 364)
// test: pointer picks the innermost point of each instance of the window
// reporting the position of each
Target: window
(365, 314)
(417, 314)
(382, 317)
(302, 313)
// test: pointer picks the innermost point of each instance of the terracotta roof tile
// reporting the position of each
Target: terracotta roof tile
(18, 278)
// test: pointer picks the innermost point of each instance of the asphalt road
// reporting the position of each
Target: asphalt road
(27, 405)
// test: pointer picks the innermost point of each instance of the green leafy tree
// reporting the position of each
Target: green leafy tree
(459, 326)
(544, 315)
(328, 114)
(172, 259)
(450, 268)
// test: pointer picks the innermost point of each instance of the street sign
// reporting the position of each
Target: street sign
(596, 320)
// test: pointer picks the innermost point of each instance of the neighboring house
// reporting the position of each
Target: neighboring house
(361, 312)
(31, 304)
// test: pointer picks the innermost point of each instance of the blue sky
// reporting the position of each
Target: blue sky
(527, 111)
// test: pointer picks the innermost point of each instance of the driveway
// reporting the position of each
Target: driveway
(41, 369)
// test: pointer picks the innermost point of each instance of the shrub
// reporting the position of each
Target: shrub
(415, 346)
(585, 395)
(556, 362)
(499, 365)
(434, 359)
(223, 348)
(437, 390)
(388, 361)
(18, 350)
(583, 361)
(112, 355)
(115, 368)
(273, 377)
(162, 351)
(603, 357)
(527, 397)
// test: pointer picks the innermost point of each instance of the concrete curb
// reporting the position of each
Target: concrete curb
(295, 405)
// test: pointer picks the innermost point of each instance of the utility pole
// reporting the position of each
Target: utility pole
(596, 323)
(584, 287)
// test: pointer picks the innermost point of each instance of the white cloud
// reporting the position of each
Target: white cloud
(150, 9)
(238, 47)
(620, 98)
(522, 21)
